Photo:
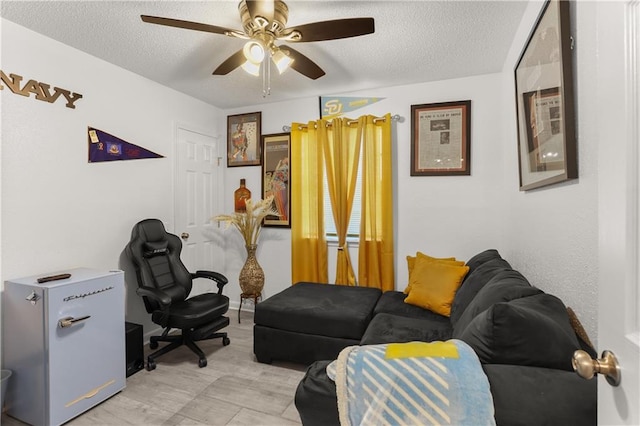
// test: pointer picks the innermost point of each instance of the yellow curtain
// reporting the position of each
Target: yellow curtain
(375, 254)
(308, 243)
(341, 145)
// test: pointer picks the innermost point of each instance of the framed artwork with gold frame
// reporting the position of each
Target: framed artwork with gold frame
(276, 150)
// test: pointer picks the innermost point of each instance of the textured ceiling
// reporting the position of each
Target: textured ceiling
(414, 41)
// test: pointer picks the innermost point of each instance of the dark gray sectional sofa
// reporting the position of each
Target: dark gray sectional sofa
(522, 336)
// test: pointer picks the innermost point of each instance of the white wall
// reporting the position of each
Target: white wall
(442, 216)
(58, 210)
(551, 234)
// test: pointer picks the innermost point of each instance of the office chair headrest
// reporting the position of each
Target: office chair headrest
(150, 233)
(152, 249)
(150, 230)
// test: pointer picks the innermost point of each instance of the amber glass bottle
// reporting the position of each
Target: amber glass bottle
(240, 196)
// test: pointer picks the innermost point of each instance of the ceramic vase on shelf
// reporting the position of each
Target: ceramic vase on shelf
(251, 277)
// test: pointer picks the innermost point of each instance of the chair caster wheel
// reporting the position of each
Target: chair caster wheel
(153, 345)
(225, 341)
(202, 362)
(151, 365)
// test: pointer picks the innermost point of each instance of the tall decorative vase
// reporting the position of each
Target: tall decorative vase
(251, 277)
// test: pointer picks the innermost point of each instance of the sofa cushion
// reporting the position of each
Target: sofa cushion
(524, 396)
(392, 302)
(504, 286)
(533, 330)
(434, 284)
(388, 328)
(481, 258)
(472, 284)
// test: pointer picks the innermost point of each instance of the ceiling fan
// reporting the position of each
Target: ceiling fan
(264, 23)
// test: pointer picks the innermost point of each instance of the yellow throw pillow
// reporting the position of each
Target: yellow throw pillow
(421, 255)
(412, 259)
(433, 285)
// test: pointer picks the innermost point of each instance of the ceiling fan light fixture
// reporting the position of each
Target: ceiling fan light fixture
(251, 68)
(264, 22)
(282, 60)
(254, 51)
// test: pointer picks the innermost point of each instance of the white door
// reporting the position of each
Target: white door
(618, 93)
(198, 193)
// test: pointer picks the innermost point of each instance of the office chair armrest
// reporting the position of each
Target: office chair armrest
(155, 294)
(220, 279)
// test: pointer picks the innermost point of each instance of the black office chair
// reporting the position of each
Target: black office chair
(164, 284)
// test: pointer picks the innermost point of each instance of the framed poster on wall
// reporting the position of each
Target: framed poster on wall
(244, 132)
(547, 152)
(276, 150)
(441, 139)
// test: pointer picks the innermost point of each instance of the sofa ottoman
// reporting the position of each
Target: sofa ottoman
(311, 321)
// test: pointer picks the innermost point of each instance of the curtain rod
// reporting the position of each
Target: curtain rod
(395, 117)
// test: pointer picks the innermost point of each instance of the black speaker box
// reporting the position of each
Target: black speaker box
(135, 351)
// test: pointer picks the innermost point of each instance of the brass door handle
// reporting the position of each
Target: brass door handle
(69, 321)
(607, 365)
(184, 236)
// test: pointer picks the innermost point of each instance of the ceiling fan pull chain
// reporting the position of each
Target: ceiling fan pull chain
(269, 73)
(266, 74)
(264, 66)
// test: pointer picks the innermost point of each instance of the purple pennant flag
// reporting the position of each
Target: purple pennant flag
(106, 147)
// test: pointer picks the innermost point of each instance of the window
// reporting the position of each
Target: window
(353, 231)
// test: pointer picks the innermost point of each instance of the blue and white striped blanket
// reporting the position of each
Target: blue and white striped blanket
(414, 383)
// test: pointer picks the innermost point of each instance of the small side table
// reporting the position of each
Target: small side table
(245, 296)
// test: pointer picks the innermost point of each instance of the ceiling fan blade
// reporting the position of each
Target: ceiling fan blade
(188, 25)
(331, 30)
(304, 65)
(263, 8)
(232, 62)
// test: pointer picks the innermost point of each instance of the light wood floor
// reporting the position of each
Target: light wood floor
(233, 389)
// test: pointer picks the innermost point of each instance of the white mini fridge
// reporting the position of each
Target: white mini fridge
(64, 340)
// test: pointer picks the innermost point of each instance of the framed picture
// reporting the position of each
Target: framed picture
(276, 150)
(547, 151)
(441, 139)
(244, 132)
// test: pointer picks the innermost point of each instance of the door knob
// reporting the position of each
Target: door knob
(184, 235)
(607, 365)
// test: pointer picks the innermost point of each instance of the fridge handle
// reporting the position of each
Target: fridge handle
(69, 321)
